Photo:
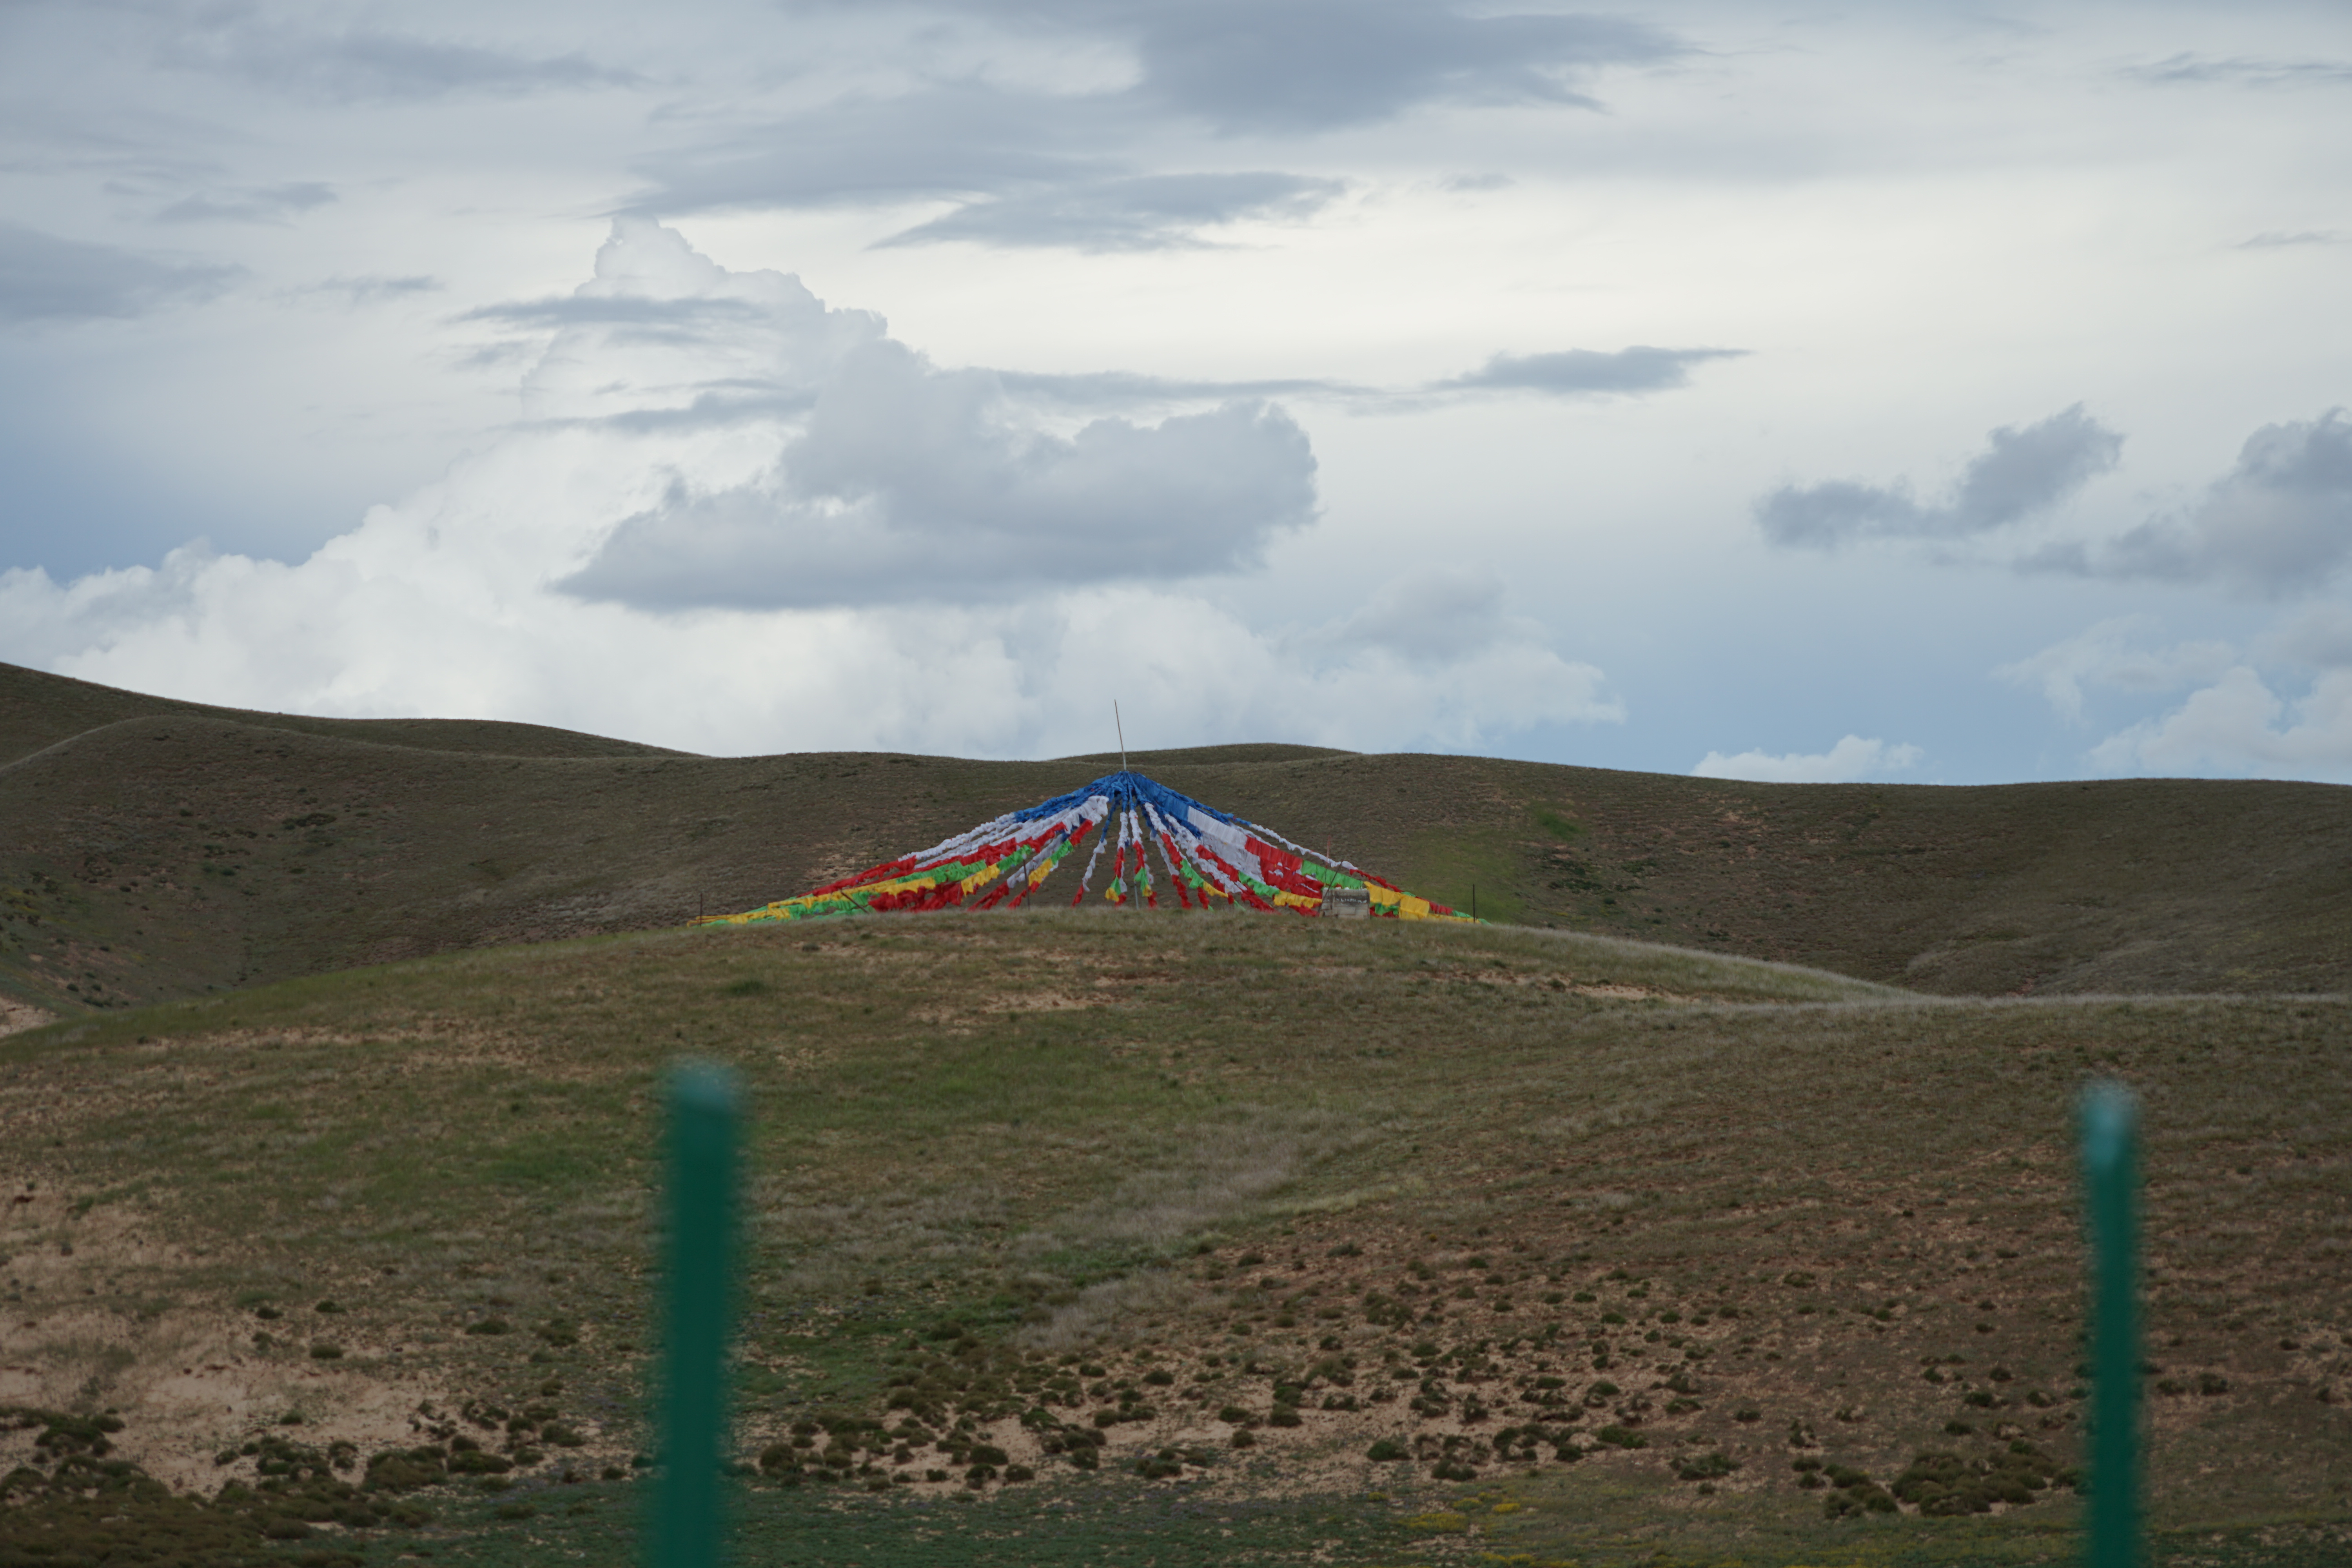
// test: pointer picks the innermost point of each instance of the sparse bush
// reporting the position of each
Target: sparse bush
(1706, 1466)
(476, 1462)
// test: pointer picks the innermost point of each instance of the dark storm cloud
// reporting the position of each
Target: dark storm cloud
(45, 278)
(2278, 522)
(360, 64)
(1588, 372)
(2020, 472)
(1143, 212)
(262, 203)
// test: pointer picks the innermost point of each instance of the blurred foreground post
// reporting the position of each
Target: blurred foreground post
(689, 1529)
(2110, 1130)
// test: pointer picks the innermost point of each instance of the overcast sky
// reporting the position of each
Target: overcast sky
(1921, 393)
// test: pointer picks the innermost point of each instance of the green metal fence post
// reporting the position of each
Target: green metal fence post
(2110, 1130)
(689, 1529)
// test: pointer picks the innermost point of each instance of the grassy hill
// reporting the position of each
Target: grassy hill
(152, 849)
(1633, 1255)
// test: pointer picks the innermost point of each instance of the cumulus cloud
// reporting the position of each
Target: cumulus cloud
(1851, 759)
(2279, 522)
(45, 278)
(2020, 472)
(1573, 372)
(872, 470)
(2232, 718)
(879, 476)
(909, 484)
(2116, 654)
(2239, 724)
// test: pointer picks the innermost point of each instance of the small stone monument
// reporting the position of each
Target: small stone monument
(1347, 903)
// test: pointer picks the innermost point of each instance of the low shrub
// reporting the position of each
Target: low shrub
(1706, 1466)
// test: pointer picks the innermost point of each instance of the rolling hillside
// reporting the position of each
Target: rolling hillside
(152, 849)
(1071, 1238)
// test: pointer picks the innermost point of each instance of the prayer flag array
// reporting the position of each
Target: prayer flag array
(1205, 859)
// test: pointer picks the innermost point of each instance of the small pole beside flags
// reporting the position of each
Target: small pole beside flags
(1122, 734)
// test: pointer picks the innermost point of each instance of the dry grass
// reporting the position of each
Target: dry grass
(1784, 1191)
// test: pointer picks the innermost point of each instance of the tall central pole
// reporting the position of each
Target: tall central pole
(1122, 734)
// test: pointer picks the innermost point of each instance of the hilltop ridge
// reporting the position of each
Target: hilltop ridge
(164, 849)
